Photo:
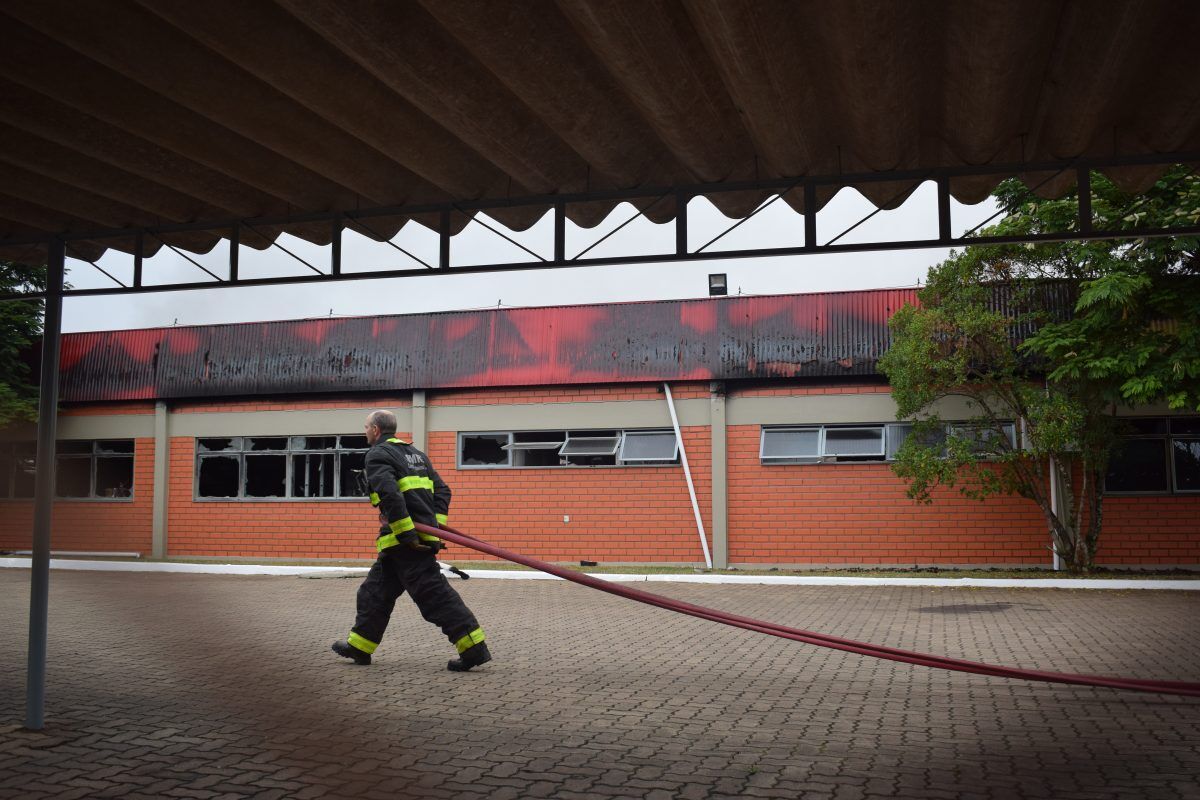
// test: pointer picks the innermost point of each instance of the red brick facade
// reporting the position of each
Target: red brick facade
(777, 514)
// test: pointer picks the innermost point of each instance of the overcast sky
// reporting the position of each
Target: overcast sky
(777, 225)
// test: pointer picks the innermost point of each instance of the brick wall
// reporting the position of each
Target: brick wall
(859, 514)
(97, 525)
(640, 514)
(295, 529)
(795, 514)
(1150, 530)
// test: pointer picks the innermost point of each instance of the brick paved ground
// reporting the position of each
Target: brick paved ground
(213, 686)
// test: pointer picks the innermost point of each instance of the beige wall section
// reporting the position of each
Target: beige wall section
(555, 416)
(279, 423)
(828, 408)
(116, 426)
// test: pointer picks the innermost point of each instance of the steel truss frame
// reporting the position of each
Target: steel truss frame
(233, 229)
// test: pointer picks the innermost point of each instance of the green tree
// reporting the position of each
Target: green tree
(20, 328)
(987, 332)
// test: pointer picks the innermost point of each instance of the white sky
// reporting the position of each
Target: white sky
(777, 225)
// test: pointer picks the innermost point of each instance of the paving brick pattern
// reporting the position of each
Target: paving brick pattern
(213, 686)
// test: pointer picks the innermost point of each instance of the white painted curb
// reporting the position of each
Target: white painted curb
(521, 575)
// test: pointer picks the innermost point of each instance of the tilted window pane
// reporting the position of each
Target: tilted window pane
(73, 477)
(780, 444)
(312, 475)
(1187, 464)
(219, 476)
(649, 446)
(114, 477)
(219, 445)
(1139, 465)
(854, 441)
(118, 446)
(484, 450)
(266, 476)
(266, 443)
(353, 478)
(353, 442)
(590, 445)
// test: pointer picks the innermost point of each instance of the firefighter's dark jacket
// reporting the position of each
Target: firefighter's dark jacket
(406, 489)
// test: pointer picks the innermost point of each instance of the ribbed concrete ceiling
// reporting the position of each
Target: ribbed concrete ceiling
(116, 113)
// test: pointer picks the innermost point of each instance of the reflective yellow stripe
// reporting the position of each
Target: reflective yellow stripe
(427, 537)
(401, 525)
(441, 518)
(415, 482)
(374, 499)
(397, 441)
(471, 639)
(386, 541)
(366, 645)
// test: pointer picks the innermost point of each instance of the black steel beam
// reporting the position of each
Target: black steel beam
(652, 258)
(232, 229)
(43, 491)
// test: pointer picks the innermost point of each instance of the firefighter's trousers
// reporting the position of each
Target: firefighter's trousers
(392, 575)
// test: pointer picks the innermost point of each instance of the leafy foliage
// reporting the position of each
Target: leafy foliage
(989, 334)
(20, 327)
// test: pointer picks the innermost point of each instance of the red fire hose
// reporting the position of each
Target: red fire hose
(810, 637)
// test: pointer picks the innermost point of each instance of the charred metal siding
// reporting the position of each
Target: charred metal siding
(816, 335)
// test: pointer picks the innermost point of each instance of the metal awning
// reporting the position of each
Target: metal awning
(138, 115)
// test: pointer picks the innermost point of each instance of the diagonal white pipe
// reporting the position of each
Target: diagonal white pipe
(687, 473)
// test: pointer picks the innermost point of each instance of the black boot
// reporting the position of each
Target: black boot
(471, 657)
(347, 650)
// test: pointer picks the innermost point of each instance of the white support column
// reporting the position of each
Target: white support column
(162, 479)
(720, 478)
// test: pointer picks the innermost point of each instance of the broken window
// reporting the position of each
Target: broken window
(298, 467)
(266, 476)
(220, 476)
(114, 477)
(351, 472)
(313, 474)
(484, 449)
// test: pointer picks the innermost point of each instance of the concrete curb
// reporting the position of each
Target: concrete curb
(520, 575)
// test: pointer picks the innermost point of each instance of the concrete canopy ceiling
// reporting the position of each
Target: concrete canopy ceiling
(124, 113)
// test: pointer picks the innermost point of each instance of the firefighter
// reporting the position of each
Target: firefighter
(405, 487)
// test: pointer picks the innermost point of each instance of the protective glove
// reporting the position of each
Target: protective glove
(410, 541)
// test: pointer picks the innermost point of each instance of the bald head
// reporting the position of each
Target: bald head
(381, 424)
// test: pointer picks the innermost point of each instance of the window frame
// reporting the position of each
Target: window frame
(1167, 436)
(8, 480)
(889, 429)
(563, 436)
(288, 453)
